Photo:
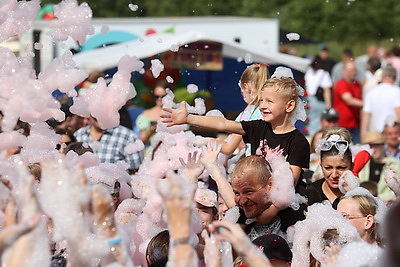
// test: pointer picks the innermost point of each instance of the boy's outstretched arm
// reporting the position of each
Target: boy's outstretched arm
(181, 116)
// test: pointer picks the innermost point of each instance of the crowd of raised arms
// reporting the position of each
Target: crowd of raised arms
(152, 192)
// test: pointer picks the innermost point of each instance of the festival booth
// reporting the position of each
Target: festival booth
(194, 58)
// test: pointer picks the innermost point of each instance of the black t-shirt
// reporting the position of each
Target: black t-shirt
(294, 144)
(316, 195)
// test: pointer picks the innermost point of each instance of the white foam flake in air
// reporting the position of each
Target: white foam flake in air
(72, 20)
(248, 58)
(37, 46)
(192, 88)
(102, 101)
(133, 7)
(17, 17)
(293, 36)
(156, 67)
(104, 29)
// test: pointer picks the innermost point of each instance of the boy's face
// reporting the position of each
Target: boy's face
(273, 105)
(250, 194)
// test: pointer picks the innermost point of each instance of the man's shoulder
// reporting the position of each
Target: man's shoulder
(121, 131)
(82, 131)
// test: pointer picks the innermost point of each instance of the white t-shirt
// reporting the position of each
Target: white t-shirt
(381, 102)
(314, 79)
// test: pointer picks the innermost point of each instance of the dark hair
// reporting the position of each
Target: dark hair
(316, 64)
(158, 249)
(164, 84)
(371, 186)
(64, 131)
(348, 52)
(374, 63)
(78, 148)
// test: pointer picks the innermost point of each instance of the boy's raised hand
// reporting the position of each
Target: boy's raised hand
(175, 116)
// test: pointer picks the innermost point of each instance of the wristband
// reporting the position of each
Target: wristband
(115, 240)
(180, 241)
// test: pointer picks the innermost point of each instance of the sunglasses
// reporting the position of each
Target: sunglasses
(158, 96)
(326, 145)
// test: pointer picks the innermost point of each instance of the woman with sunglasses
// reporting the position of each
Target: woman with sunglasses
(336, 158)
(147, 121)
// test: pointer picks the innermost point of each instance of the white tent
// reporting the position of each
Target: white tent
(108, 57)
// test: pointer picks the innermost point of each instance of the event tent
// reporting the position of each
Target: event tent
(108, 57)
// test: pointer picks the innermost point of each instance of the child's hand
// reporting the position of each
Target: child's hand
(210, 154)
(332, 252)
(175, 116)
(193, 168)
(392, 180)
(348, 181)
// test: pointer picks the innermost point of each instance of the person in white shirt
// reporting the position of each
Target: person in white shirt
(381, 102)
(315, 78)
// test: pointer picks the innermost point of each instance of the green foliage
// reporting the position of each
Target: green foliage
(351, 21)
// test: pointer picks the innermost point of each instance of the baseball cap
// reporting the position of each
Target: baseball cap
(206, 197)
(274, 247)
(330, 114)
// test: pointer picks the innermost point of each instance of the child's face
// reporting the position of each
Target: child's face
(272, 105)
(247, 91)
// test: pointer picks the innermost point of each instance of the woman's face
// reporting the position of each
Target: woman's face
(332, 168)
(159, 93)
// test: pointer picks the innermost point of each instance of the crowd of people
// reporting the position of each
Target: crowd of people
(267, 195)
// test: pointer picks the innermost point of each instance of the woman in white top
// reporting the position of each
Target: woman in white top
(316, 77)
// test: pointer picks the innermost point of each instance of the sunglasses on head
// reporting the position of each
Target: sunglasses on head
(341, 145)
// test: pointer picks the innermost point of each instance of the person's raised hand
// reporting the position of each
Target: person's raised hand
(175, 116)
(331, 254)
(10, 234)
(192, 168)
(392, 180)
(210, 153)
(348, 181)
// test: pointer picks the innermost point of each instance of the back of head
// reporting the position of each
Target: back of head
(274, 247)
(389, 72)
(286, 86)
(157, 250)
(316, 64)
(373, 64)
(253, 164)
(258, 74)
(392, 233)
(347, 54)
(396, 51)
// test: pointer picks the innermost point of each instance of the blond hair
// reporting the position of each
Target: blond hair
(253, 164)
(344, 135)
(285, 85)
(367, 206)
(258, 74)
